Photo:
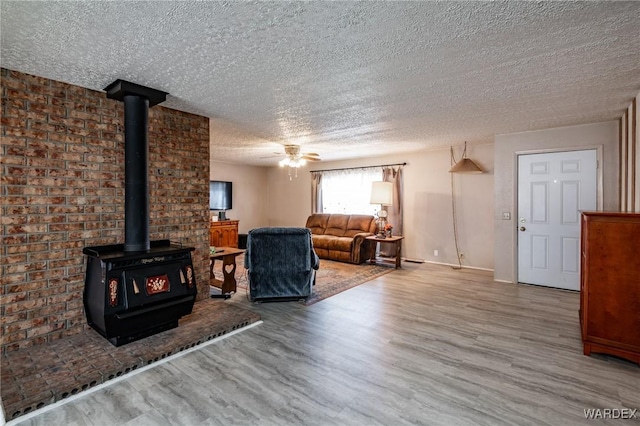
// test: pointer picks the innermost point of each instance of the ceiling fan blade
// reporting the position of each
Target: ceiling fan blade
(311, 158)
(311, 154)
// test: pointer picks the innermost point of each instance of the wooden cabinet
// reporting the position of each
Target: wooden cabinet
(610, 284)
(224, 233)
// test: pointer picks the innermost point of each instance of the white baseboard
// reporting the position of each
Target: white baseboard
(455, 265)
(504, 281)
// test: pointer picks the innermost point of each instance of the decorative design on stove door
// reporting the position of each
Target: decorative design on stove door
(157, 284)
(190, 280)
(113, 292)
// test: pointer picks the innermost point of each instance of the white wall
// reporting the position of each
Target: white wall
(506, 146)
(427, 219)
(250, 193)
(266, 196)
(290, 200)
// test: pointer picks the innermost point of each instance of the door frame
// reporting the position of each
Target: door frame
(599, 185)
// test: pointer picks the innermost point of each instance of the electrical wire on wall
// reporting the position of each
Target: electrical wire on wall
(453, 214)
(466, 166)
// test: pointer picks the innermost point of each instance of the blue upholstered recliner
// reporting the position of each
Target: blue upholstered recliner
(281, 263)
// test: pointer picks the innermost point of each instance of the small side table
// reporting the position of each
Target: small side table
(396, 241)
(228, 284)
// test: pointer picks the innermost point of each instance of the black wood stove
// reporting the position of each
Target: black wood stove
(141, 287)
(128, 296)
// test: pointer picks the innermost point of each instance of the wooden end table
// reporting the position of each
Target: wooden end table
(396, 241)
(228, 284)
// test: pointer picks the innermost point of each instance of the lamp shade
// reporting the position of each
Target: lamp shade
(465, 165)
(382, 193)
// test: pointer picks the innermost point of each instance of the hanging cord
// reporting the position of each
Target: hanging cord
(453, 212)
(247, 288)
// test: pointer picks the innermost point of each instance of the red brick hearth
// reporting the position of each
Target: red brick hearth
(36, 376)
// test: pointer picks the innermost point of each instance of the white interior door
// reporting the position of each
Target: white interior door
(552, 190)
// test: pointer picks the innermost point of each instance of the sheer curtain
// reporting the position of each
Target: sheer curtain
(347, 191)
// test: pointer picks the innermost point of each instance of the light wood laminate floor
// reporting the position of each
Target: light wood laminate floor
(422, 345)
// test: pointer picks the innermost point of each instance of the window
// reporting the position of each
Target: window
(349, 191)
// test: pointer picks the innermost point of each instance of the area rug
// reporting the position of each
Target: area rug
(36, 376)
(332, 277)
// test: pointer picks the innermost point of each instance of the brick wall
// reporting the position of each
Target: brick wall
(63, 189)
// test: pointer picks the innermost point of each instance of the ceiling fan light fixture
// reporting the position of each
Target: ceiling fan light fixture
(295, 159)
(292, 162)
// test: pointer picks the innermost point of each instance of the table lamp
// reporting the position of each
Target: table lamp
(382, 193)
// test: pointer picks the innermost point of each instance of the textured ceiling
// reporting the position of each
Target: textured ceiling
(344, 79)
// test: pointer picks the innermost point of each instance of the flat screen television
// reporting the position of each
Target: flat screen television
(220, 197)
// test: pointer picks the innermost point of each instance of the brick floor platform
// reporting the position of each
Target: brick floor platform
(41, 375)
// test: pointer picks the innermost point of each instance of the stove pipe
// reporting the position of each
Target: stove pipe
(137, 101)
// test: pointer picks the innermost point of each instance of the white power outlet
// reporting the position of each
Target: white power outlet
(435, 253)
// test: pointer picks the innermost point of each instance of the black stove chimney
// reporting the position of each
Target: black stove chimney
(137, 101)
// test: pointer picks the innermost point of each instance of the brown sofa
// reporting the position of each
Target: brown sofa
(341, 237)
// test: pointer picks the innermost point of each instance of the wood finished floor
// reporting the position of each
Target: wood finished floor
(422, 345)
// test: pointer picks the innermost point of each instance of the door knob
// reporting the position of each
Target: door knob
(522, 228)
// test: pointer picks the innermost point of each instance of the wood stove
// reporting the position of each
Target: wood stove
(141, 287)
(129, 296)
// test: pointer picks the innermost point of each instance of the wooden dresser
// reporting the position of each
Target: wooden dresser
(610, 284)
(224, 233)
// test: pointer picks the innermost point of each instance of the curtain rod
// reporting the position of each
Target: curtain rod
(359, 167)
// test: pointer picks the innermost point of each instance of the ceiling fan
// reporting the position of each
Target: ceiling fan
(295, 158)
